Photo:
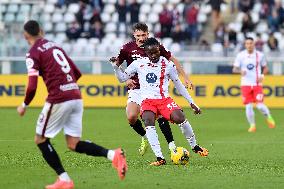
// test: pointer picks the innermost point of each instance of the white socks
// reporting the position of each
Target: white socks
(250, 114)
(110, 155)
(187, 131)
(153, 140)
(263, 109)
(65, 177)
(172, 146)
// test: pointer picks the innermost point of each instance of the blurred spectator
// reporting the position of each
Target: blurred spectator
(60, 3)
(204, 45)
(247, 24)
(264, 11)
(273, 21)
(245, 5)
(84, 15)
(178, 34)
(272, 42)
(216, 12)
(166, 21)
(97, 4)
(176, 15)
(134, 11)
(232, 37)
(259, 42)
(220, 33)
(121, 8)
(280, 11)
(96, 16)
(191, 13)
(74, 31)
(96, 31)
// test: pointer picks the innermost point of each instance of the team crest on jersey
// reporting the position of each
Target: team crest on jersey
(29, 63)
(151, 78)
(250, 66)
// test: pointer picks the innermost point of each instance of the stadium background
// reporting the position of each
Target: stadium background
(92, 32)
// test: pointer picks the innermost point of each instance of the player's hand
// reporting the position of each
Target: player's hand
(130, 83)
(113, 60)
(189, 85)
(243, 72)
(260, 78)
(21, 110)
(195, 108)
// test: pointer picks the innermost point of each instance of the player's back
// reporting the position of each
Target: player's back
(57, 70)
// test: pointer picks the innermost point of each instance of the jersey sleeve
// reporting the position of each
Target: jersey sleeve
(32, 64)
(178, 84)
(132, 68)
(263, 61)
(237, 62)
(165, 53)
(122, 55)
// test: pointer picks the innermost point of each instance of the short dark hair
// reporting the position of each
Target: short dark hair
(32, 27)
(249, 38)
(151, 42)
(140, 26)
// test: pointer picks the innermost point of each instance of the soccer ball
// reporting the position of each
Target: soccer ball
(180, 156)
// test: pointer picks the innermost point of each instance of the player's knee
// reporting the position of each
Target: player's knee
(39, 139)
(132, 118)
(149, 122)
(178, 118)
(72, 145)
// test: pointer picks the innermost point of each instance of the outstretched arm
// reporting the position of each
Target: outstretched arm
(121, 75)
(182, 72)
(182, 90)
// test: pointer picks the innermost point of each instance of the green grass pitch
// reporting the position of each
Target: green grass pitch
(237, 159)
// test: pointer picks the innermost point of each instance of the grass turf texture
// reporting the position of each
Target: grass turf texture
(237, 159)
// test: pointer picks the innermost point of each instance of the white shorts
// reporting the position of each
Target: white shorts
(66, 115)
(134, 96)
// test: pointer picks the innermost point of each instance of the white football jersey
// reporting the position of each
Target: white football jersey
(252, 64)
(153, 77)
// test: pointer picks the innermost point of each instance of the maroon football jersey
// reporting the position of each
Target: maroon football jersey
(130, 52)
(57, 70)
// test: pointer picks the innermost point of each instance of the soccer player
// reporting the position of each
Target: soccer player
(252, 66)
(63, 108)
(133, 51)
(154, 74)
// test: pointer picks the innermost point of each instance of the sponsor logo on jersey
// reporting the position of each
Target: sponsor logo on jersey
(250, 66)
(151, 78)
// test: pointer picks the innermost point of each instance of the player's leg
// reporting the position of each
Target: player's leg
(178, 117)
(48, 126)
(149, 120)
(259, 96)
(248, 99)
(132, 111)
(73, 132)
(167, 132)
(250, 117)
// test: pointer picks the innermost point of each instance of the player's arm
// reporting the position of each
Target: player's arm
(122, 75)
(182, 72)
(237, 66)
(30, 93)
(182, 90)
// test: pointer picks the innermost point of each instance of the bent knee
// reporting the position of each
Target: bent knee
(132, 118)
(39, 139)
(178, 118)
(71, 146)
